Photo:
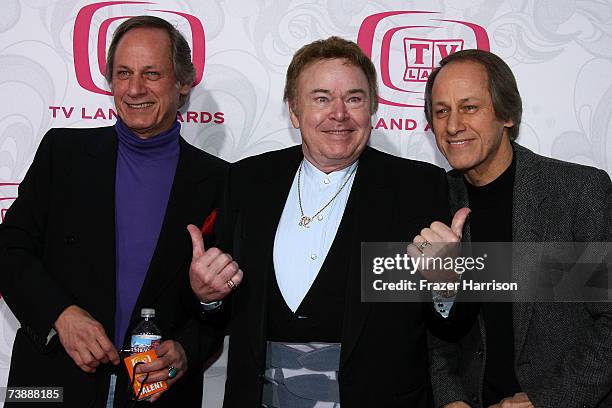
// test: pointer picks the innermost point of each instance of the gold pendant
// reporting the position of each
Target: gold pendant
(304, 221)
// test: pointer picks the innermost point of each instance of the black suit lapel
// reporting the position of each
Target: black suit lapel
(260, 224)
(368, 217)
(189, 189)
(95, 185)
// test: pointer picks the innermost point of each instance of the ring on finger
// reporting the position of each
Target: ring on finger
(423, 245)
(172, 371)
(230, 283)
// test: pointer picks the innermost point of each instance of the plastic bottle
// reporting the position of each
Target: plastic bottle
(146, 334)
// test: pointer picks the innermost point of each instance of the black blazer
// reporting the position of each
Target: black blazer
(57, 247)
(384, 359)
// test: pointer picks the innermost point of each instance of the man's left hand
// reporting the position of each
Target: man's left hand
(169, 354)
(520, 400)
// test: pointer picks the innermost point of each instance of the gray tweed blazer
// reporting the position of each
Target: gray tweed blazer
(563, 351)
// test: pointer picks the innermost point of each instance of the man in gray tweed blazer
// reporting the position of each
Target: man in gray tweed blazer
(517, 354)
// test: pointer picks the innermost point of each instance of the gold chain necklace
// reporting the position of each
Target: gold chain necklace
(304, 219)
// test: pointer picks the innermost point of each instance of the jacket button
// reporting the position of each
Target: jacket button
(70, 240)
(480, 353)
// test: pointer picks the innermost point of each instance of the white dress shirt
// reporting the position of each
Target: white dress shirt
(299, 252)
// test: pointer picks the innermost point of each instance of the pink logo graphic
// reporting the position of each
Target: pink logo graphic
(422, 55)
(83, 31)
(8, 194)
(406, 50)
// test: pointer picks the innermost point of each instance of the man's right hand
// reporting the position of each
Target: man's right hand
(213, 274)
(439, 240)
(84, 339)
(439, 232)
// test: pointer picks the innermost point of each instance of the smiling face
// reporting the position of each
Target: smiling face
(468, 133)
(145, 90)
(332, 111)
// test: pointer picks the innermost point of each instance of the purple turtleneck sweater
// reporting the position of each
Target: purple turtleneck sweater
(145, 171)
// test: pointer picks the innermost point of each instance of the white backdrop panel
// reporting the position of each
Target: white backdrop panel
(51, 53)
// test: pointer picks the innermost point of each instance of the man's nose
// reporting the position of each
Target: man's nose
(454, 124)
(136, 86)
(339, 111)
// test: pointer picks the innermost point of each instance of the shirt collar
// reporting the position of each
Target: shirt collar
(312, 174)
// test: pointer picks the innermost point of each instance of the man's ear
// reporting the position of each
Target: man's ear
(293, 115)
(184, 89)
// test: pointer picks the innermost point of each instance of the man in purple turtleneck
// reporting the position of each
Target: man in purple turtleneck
(99, 232)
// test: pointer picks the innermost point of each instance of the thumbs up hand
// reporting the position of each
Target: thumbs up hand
(439, 240)
(213, 274)
(440, 232)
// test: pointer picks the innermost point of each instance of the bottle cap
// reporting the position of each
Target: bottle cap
(147, 312)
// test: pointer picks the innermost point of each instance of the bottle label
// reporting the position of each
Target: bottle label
(144, 342)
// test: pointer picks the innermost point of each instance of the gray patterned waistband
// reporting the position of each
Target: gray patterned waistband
(301, 375)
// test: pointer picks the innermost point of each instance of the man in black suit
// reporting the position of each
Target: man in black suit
(99, 232)
(294, 220)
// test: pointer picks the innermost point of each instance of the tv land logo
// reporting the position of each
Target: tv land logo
(8, 194)
(406, 46)
(422, 55)
(87, 75)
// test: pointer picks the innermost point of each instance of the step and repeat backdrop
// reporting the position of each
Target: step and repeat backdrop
(53, 53)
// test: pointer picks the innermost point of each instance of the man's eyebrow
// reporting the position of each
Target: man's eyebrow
(468, 99)
(462, 100)
(327, 91)
(145, 67)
